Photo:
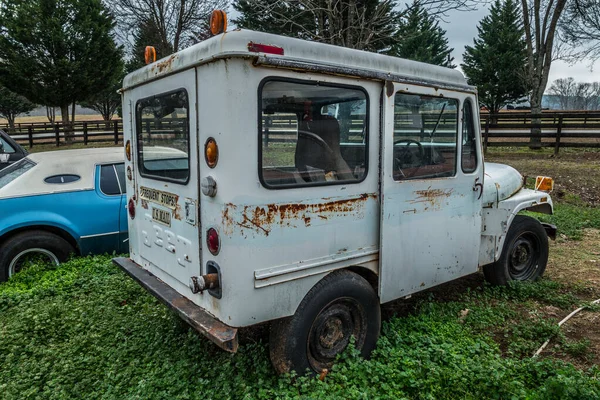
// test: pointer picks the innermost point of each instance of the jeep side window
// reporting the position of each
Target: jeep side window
(312, 134)
(469, 143)
(425, 136)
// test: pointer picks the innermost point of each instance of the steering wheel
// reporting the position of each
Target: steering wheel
(318, 140)
(405, 152)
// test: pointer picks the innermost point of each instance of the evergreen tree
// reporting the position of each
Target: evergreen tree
(358, 24)
(55, 52)
(147, 34)
(496, 64)
(419, 37)
(12, 104)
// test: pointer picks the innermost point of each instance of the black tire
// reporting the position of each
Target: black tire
(47, 244)
(341, 305)
(524, 255)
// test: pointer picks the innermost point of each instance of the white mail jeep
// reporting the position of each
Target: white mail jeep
(274, 179)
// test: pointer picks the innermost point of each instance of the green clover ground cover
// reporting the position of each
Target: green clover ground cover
(85, 330)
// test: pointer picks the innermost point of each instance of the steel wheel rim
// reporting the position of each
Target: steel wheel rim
(331, 330)
(523, 257)
(14, 266)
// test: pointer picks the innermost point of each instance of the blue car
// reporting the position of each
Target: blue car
(58, 203)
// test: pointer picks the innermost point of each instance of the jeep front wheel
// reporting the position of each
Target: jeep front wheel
(524, 255)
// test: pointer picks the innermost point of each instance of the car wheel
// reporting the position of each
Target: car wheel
(17, 250)
(341, 305)
(524, 255)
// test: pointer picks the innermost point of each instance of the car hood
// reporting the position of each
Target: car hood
(500, 182)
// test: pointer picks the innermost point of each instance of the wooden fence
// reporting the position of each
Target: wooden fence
(511, 129)
(555, 129)
(78, 132)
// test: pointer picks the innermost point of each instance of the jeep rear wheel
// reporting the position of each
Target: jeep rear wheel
(342, 305)
(17, 251)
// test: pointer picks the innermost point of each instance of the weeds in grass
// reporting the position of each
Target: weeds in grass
(85, 330)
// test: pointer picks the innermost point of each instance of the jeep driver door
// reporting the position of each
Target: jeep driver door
(431, 178)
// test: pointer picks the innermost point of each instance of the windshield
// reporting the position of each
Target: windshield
(12, 172)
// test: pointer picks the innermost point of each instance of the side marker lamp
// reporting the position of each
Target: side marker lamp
(544, 184)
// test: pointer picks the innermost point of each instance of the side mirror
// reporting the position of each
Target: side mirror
(1, 146)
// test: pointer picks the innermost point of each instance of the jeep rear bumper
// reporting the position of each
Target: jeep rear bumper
(222, 335)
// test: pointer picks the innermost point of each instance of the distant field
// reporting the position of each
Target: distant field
(28, 119)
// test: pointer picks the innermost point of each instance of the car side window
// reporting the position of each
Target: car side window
(469, 142)
(109, 183)
(5, 147)
(120, 170)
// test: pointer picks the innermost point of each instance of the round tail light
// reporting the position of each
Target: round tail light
(212, 241)
(131, 208)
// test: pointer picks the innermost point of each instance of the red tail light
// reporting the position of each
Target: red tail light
(212, 241)
(131, 208)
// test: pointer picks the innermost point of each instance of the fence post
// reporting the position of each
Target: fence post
(486, 134)
(116, 132)
(85, 133)
(57, 134)
(558, 133)
(267, 123)
(30, 135)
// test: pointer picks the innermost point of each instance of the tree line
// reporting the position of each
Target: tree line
(61, 53)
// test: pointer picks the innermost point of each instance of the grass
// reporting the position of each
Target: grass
(85, 330)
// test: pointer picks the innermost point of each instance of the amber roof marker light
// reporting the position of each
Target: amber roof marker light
(150, 55)
(218, 22)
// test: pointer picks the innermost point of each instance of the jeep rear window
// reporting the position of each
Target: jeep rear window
(163, 136)
(12, 172)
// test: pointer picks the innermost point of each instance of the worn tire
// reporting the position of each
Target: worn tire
(55, 248)
(341, 305)
(524, 255)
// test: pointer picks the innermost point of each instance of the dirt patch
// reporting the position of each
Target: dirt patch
(577, 264)
(576, 173)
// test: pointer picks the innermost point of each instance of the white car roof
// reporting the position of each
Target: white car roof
(347, 61)
(79, 162)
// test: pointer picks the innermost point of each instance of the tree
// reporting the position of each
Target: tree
(12, 104)
(358, 24)
(147, 34)
(107, 101)
(57, 52)
(496, 62)
(540, 20)
(573, 95)
(580, 27)
(419, 37)
(178, 23)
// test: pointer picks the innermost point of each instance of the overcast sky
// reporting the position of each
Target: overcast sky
(461, 28)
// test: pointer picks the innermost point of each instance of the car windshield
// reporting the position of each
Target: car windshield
(12, 172)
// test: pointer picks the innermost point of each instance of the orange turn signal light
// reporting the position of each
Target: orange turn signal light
(150, 55)
(544, 183)
(211, 152)
(128, 150)
(218, 22)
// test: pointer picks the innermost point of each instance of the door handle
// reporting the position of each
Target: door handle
(478, 187)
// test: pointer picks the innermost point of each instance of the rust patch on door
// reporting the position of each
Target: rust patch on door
(431, 197)
(261, 219)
